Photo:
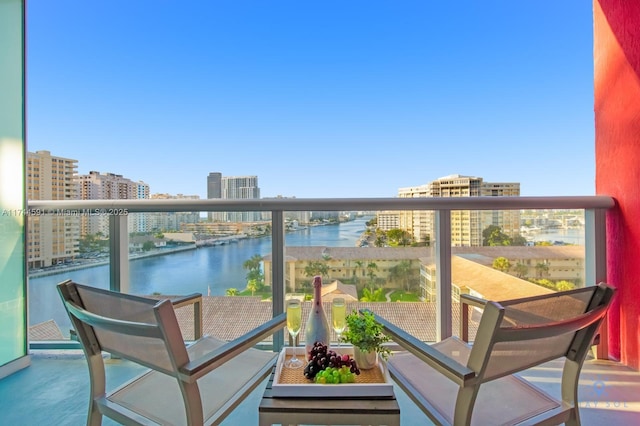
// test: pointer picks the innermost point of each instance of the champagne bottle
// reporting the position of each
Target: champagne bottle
(317, 329)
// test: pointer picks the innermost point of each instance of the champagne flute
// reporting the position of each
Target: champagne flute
(294, 321)
(338, 313)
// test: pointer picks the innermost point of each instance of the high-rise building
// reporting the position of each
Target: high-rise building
(466, 225)
(52, 238)
(233, 188)
(240, 188)
(214, 191)
(110, 186)
(301, 217)
(171, 221)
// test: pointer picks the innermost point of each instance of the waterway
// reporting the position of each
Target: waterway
(207, 270)
(573, 236)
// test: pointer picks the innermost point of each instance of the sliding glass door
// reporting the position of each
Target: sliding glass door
(13, 313)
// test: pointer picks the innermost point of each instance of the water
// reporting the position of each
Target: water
(213, 269)
(569, 236)
(210, 268)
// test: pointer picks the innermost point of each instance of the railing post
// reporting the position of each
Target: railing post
(464, 321)
(278, 284)
(118, 253)
(444, 325)
(595, 264)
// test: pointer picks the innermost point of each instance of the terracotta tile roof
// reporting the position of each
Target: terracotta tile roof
(339, 289)
(490, 283)
(319, 253)
(47, 330)
(228, 317)
(416, 318)
(485, 255)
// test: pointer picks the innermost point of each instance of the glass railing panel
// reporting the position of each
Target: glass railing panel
(522, 253)
(366, 258)
(389, 257)
(64, 244)
(179, 253)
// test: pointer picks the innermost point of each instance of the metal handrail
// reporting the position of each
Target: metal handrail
(334, 204)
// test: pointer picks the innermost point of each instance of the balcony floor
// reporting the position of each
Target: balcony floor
(53, 390)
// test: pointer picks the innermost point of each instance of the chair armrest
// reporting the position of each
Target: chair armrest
(195, 369)
(449, 367)
(194, 299)
(465, 301)
(473, 300)
(189, 299)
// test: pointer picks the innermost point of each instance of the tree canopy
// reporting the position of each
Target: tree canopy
(492, 235)
(254, 272)
(501, 264)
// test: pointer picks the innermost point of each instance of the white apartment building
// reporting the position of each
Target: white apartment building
(233, 188)
(52, 238)
(388, 220)
(466, 225)
(110, 186)
(171, 221)
(302, 217)
(240, 188)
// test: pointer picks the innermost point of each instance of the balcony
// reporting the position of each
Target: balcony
(622, 385)
(54, 390)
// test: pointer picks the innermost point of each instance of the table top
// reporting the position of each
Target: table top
(342, 404)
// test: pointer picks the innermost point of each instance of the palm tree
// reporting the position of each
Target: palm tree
(252, 285)
(406, 239)
(316, 268)
(232, 291)
(254, 270)
(521, 270)
(253, 263)
(542, 269)
(369, 295)
(371, 268)
(401, 272)
(359, 264)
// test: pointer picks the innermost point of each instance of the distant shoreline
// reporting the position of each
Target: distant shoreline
(92, 263)
(85, 265)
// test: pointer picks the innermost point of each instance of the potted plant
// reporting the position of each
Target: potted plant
(367, 338)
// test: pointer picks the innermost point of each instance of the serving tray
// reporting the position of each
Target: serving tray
(290, 382)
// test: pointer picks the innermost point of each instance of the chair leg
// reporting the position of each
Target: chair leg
(574, 420)
(97, 384)
(464, 405)
(94, 418)
(570, 379)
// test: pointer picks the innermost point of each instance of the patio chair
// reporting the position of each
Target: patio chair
(194, 385)
(455, 383)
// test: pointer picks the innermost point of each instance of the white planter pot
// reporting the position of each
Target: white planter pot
(365, 360)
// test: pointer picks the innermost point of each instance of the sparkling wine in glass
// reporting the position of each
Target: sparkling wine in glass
(338, 313)
(294, 320)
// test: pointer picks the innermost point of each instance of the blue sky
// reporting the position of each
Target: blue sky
(316, 98)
